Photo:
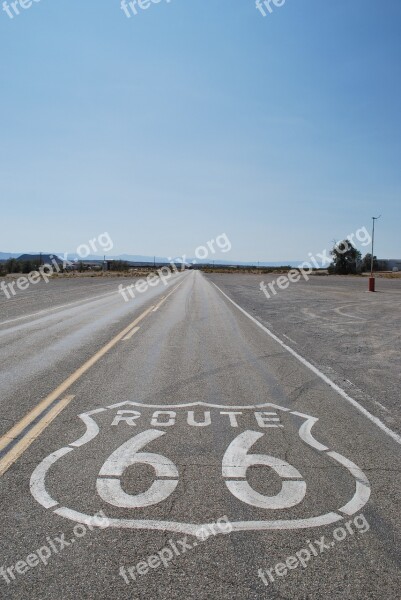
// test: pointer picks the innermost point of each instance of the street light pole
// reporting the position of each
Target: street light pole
(371, 278)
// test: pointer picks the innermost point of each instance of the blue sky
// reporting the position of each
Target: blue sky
(198, 117)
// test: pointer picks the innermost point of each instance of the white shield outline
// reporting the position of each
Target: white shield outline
(357, 502)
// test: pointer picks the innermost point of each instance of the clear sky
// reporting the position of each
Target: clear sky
(198, 117)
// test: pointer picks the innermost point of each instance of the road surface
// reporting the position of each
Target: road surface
(175, 446)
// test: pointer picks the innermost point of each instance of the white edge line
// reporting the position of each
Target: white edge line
(306, 363)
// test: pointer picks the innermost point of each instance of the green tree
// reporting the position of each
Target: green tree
(12, 266)
(366, 263)
(346, 258)
(28, 266)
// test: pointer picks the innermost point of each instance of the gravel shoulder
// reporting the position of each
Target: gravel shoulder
(350, 334)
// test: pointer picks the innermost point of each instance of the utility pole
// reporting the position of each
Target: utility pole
(372, 282)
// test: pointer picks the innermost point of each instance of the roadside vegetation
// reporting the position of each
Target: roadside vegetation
(15, 268)
(347, 260)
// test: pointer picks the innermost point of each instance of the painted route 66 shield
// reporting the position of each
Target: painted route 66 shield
(180, 467)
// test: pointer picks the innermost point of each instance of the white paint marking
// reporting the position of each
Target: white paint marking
(361, 497)
(110, 491)
(362, 493)
(320, 521)
(236, 462)
(192, 529)
(207, 404)
(381, 406)
(291, 494)
(305, 433)
(115, 493)
(92, 430)
(340, 311)
(78, 517)
(37, 483)
(207, 420)
(127, 455)
(306, 363)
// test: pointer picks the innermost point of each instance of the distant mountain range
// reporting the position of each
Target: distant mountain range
(7, 255)
(149, 259)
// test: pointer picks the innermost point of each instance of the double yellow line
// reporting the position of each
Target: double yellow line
(22, 435)
(19, 438)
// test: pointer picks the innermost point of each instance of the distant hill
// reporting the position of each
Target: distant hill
(31, 257)
(34, 257)
(140, 258)
(39, 258)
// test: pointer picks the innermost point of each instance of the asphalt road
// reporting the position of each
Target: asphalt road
(180, 446)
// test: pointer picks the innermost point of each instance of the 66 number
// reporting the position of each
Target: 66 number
(235, 464)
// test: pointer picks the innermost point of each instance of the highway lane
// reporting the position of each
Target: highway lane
(199, 416)
(57, 293)
(44, 339)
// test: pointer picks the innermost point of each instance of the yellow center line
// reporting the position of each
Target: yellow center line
(131, 333)
(160, 303)
(33, 433)
(33, 414)
(31, 436)
(165, 297)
